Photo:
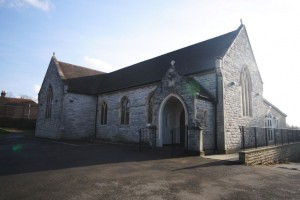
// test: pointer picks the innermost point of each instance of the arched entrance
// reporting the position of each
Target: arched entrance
(172, 116)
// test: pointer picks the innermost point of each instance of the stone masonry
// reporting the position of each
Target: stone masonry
(50, 127)
(219, 111)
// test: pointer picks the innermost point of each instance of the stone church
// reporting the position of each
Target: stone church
(214, 85)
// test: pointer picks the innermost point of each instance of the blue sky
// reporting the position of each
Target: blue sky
(108, 35)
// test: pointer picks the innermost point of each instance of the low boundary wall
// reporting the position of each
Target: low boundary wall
(270, 154)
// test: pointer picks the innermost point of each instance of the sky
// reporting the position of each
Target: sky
(109, 35)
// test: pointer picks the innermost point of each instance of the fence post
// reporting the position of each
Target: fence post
(243, 133)
(187, 139)
(255, 135)
(155, 137)
(281, 136)
(140, 140)
(274, 136)
(172, 147)
(288, 138)
(294, 136)
(266, 134)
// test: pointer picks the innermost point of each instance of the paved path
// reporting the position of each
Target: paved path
(44, 169)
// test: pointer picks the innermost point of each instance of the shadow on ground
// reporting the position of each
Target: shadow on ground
(24, 153)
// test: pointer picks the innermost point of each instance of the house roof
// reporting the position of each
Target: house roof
(197, 58)
(8, 101)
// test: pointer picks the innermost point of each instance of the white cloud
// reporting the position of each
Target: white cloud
(97, 64)
(37, 88)
(44, 5)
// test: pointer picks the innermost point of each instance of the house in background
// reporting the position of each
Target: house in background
(17, 108)
(214, 84)
(18, 113)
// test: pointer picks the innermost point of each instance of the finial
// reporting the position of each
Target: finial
(241, 20)
(173, 63)
(53, 53)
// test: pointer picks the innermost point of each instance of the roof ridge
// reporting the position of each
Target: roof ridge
(186, 47)
(60, 71)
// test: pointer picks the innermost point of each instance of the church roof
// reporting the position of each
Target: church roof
(79, 79)
(73, 71)
(197, 58)
(190, 60)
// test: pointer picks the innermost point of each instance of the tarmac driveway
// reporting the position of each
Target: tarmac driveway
(32, 168)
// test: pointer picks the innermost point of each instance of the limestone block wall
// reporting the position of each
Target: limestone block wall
(270, 155)
(114, 130)
(79, 115)
(205, 112)
(208, 81)
(50, 128)
(240, 55)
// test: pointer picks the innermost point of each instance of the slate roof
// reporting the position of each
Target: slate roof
(79, 79)
(190, 60)
(74, 71)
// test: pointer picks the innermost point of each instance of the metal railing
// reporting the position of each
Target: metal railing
(254, 137)
(147, 137)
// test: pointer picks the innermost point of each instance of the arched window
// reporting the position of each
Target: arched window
(104, 113)
(49, 99)
(150, 108)
(270, 124)
(125, 109)
(246, 92)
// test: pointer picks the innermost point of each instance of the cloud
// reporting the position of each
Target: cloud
(97, 64)
(44, 5)
(36, 88)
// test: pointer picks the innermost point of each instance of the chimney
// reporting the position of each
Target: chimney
(3, 93)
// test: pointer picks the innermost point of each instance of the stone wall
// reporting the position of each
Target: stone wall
(50, 128)
(270, 155)
(208, 81)
(116, 131)
(79, 115)
(240, 55)
(138, 97)
(207, 125)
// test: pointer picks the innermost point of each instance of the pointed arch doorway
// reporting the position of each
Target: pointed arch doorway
(172, 116)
